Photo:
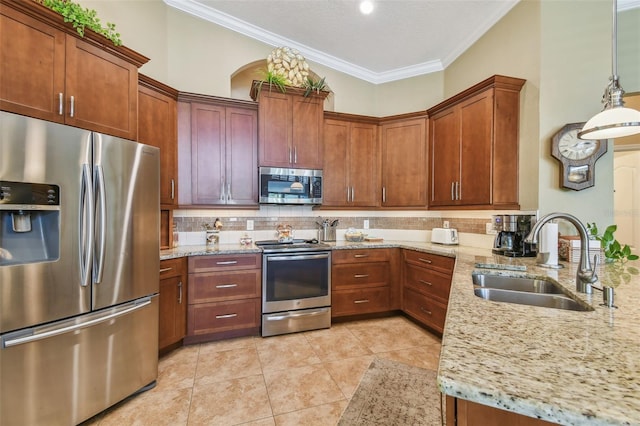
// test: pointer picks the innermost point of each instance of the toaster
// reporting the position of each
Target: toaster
(444, 236)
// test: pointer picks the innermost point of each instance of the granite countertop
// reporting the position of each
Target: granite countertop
(568, 367)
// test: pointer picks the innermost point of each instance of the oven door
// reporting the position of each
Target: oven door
(296, 281)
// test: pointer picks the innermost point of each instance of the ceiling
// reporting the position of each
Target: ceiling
(399, 39)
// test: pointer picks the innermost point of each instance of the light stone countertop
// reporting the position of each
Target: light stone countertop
(568, 367)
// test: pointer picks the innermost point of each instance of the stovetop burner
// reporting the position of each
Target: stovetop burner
(272, 246)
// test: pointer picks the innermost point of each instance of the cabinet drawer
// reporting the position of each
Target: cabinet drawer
(360, 255)
(428, 260)
(205, 318)
(361, 301)
(353, 275)
(424, 309)
(219, 286)
(428, 282)
(171, 267)
(224, 262)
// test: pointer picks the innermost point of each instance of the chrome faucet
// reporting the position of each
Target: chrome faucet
(585, 275)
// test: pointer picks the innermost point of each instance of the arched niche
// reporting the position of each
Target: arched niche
(243, 77)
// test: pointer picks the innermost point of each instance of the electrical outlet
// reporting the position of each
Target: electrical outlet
(489, 228)
(445, 224)
(366, 224)
(249, 225)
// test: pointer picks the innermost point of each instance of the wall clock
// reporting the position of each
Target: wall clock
(577, 157)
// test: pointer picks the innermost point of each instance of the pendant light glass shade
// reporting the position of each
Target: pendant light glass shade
(615, 120)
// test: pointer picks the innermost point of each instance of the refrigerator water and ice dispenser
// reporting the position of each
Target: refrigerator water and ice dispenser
(29, 223)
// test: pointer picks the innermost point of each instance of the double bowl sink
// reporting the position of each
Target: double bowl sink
(525, 291)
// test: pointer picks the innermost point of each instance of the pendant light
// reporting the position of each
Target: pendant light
(615, 120)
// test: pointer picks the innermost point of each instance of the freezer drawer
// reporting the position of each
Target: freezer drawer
(65, 372)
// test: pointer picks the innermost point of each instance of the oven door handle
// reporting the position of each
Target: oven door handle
(297, 257)
(288, 315)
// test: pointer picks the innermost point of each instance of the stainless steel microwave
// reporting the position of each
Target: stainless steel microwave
(290, 186)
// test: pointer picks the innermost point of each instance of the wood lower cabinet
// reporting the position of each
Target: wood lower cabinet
(461, 412)
(290, 127)
(47, 71)
(224, 296)
(473, 147)
(351, 162)
(426, 286)
(218, 148)
(404, 163)
(363, 281)
(172, 302)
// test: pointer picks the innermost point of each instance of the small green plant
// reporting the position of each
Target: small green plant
(613, 250)
(312, 86)
(272, 79)
(81, 18)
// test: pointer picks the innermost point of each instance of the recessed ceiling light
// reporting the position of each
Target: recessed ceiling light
(366, 6)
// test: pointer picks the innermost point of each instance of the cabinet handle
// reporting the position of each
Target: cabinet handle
(290, 156)
(426, 282)
(361, 301)
(348, 194)
(226, 316)
(229, 197)
(360, 275)
(60, 104)
(353, 195)
(222, 189)
(173, 189)
(358, 256)
(453, 184)
(72, 109)
(295, 154)
(227, 262)
(425, 311)
(384, 194)
(226, 285)
(425, 260)
(458, 190)
(180, 293)
(165, 270)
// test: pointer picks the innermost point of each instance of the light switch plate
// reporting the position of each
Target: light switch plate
(366, 224)
(249, 225)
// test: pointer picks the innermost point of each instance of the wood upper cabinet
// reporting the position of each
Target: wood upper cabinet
(217, 151)
(48, 72)
(473, 146)
(404, 163)
(157, 126)
(351, 163)
(290, 127)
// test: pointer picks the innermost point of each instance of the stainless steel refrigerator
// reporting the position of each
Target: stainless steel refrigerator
(79, 262)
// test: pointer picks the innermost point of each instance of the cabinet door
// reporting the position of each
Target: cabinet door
(274, 119)
(241, 156)
(306, 128)
(101, 90)
(207, 154)
(31, 67)
(157, 126)
(172, 311)
(363, 165)
(404, 163)
(476, 124)
(445, 157)
(335, 179)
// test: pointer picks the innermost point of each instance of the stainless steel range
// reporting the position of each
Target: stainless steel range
(296, 286)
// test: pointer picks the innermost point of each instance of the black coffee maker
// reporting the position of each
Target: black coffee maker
(512, 231)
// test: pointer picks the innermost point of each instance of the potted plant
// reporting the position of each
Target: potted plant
(613, 250)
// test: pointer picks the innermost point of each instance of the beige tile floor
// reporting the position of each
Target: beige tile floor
(302, 378)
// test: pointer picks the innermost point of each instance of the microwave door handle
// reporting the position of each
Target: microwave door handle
(85, 225)
(101, 198)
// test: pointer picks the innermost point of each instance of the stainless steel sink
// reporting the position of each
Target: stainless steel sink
(525, 291)
(533, 299)
(530, 285)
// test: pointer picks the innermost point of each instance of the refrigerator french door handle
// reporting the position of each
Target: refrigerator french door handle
(86, 224)
(101, 199)
(7, 342)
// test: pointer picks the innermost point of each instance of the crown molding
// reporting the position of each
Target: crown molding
(227, 21)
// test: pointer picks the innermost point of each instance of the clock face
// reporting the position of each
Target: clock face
(576, 149)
